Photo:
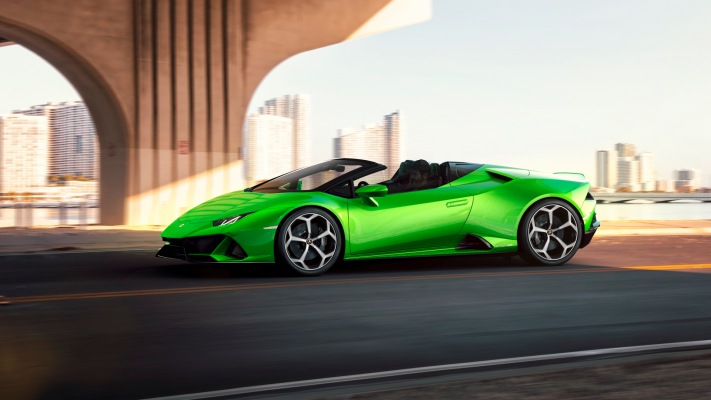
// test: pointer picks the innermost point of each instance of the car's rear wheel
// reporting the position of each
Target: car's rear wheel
(550, 233)
(309, 241)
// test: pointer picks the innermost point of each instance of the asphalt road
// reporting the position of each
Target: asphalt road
(125, 325)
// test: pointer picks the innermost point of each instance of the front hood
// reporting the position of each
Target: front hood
(219, 207)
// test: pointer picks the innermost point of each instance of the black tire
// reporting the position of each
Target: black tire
(546, 241)
(304, 254)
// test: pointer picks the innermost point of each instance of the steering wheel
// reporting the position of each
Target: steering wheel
(362, 183)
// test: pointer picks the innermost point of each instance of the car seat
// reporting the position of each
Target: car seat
(443, 172)
(402, 175)
(434, 174)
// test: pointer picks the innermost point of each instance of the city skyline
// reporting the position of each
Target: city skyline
(47, 145)
(73, 145)
(507, 83)
(624, 169)
(635, 170)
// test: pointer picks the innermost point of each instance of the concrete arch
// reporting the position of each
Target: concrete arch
(111, 125)
(168, 81)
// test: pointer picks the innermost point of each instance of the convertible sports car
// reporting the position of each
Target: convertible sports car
(311, 218)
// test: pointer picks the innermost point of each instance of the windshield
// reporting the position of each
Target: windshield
(312, 177)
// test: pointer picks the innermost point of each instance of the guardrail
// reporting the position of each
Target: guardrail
(24, 211)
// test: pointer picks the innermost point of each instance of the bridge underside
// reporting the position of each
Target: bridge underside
(168, 82)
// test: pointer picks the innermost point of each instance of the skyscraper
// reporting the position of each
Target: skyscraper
(73, 146)
(606, 168)
(296, 107)
(23, 153)
(381, 143)
(687, 180)
(269, 147)
(646, 171)
(625, 150)
(628, 173)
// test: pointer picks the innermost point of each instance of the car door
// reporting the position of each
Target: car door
(418, 220)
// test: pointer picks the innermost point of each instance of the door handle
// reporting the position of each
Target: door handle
(457, 203)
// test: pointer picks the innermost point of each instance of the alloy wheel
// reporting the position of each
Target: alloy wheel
(310, 242)
(553, 232)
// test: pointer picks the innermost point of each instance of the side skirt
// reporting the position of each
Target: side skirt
(430, 253)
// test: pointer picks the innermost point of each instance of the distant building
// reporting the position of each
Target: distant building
(606, 168)
(296, 107)
(664, 185)
(269, 141)
(23, 153)
(73, 144)
(628, 173)
(381, 143)
(687, 180)
(646, 171)
(626, 150)
(624, 168)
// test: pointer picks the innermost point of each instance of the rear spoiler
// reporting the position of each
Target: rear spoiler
(576, 175)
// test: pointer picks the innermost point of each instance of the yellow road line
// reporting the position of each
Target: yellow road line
(311, 282)
(670, 267)
(346, 281)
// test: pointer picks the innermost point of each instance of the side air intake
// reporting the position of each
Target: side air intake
(473, 242)
(499, 176)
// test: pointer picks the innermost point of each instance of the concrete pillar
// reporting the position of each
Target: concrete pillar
(189, 108)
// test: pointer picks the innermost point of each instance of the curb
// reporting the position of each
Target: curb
(76, 250)
(424, 376)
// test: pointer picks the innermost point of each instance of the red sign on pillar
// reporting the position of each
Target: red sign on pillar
(183, 147)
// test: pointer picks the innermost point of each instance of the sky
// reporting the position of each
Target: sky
(540, 85)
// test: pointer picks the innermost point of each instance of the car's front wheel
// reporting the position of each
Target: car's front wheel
(550, 233)
(309, 241)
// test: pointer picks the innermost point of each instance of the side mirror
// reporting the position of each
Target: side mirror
(368, 192)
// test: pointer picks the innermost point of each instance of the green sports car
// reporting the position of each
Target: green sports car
(310, 219)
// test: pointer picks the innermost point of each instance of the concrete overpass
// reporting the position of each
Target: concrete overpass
(651, 197)
(168, 81)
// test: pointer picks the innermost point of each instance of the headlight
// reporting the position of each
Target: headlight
(229, 220)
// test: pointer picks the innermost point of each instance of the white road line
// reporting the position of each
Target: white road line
(435, 368)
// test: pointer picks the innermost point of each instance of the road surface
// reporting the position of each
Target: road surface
(126, 325)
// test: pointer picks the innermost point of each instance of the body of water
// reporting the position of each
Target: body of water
(653, 211)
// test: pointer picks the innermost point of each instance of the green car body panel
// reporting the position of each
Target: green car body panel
(488, 203)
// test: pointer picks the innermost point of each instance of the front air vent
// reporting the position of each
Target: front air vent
(589, 197)
(473, 242)
(197, 244)
(235, 250)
